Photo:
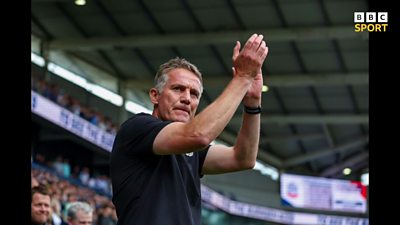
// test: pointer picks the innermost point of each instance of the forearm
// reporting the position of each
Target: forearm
(214, 118)
(247, 72)
(246, 146)
(205, 127)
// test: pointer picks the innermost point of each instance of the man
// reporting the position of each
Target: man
(157, 160)
(40, 205)
(106, 215)
(79, 213)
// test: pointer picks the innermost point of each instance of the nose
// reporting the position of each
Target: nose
(185, 96)
(43, 209)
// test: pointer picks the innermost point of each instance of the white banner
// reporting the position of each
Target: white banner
(274, 215)
(64, 118)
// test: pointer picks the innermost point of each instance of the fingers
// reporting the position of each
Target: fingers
(251, 57)
(254, 42)
(236, 50)
(257, 42)
(249, 42)
(265, 53)
(261, 49)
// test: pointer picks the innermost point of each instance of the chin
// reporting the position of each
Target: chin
(182, 118)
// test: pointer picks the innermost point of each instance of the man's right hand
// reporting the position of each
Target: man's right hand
(249, 60)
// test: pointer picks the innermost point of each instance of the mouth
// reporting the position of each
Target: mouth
(183, 110)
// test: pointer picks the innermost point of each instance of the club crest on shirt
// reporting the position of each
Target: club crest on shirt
(190, 154)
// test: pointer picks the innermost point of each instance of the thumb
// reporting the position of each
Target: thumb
(236, 50)
(234, 71)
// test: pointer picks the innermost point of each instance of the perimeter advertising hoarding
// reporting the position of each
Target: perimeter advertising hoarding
(323, 193)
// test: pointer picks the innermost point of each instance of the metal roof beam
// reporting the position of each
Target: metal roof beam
(303, 158)
(187, 39)
(279, 80)
(310, 119)
(330, 171)
(297, 137)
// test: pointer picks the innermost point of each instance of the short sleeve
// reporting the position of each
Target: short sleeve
(202, 158)
(136, 135)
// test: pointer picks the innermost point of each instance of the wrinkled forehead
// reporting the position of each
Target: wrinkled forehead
(184, 77)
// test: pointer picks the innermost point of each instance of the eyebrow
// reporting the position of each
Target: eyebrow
(185, 86)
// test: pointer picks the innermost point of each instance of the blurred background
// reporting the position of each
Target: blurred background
(94, 61)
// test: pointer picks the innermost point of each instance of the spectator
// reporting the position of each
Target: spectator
(58, 165)
(106, 216)
(66, 168)
(56, 212)
(79, 213)
(71, 198)
(40, 205)
(34, 182)
(84, 175)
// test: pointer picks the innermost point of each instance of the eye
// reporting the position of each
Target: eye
(194, 94)
(176, 88)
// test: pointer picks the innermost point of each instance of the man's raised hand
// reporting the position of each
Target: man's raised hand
(248, 61)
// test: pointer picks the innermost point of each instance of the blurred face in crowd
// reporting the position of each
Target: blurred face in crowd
(40, 208)
(82, 218)
(34, 182)
(180, 97)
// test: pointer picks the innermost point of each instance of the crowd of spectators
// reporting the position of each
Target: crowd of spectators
(67, 189)
(82, 175)
(78, 183)
(66, 100)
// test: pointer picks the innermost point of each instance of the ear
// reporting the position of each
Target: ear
(153, 93)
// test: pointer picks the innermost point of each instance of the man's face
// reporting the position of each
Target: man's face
(180, 97)
(40, 208)
(82, 218)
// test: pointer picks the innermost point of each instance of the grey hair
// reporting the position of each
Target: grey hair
(74, 207)
(161, 77)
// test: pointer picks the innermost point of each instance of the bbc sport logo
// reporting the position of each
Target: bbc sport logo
(371, 21)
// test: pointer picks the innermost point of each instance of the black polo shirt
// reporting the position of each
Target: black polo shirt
(150, 189)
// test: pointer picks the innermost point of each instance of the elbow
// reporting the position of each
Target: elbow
(201, 141)
(245, 159)
(246, 163)
(250, 164)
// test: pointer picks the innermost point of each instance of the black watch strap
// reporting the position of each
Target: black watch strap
(252, 110)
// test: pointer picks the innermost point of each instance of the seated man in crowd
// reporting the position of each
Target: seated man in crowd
(40, 205)
(79, 213)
